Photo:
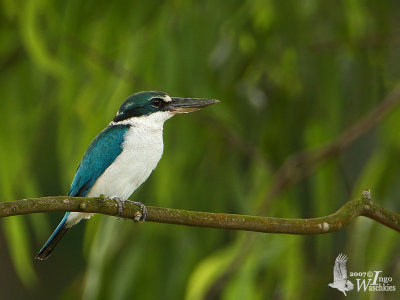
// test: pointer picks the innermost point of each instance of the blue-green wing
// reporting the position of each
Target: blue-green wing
(101, 153)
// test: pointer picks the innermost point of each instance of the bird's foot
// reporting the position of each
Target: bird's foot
(120, 205)
(140, 217)
(143, 215)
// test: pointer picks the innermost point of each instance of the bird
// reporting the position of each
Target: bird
(340, 280)
(122, 156)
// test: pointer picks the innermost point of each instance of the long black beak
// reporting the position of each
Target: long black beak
(186, 105)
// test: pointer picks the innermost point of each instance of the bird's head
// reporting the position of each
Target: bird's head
(158, 106)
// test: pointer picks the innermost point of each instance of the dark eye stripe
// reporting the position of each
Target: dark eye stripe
(127, 115)
(157, 102)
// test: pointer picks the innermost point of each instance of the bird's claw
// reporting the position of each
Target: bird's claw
(143, 216)
(120, 205)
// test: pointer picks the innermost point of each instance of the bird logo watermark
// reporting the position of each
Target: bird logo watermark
(372, 281)
(340, 279)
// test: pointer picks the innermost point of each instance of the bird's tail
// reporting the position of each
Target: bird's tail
(52, 242)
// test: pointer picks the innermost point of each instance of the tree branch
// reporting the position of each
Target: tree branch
(300, 165)
(331, 223)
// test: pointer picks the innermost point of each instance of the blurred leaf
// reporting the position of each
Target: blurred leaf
(20, 252)
(208, 271)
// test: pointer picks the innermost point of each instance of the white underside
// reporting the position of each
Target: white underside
(142, 150)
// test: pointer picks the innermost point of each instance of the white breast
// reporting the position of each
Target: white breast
(142, 150)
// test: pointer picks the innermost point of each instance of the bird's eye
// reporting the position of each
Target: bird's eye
(157, 102)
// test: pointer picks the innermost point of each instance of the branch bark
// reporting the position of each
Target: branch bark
(331, 223)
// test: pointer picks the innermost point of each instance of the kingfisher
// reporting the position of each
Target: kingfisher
(122, 156)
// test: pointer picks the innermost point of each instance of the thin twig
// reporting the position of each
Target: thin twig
(331, 223)
(300, 165)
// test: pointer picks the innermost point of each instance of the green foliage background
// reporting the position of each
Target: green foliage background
(291, 75)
